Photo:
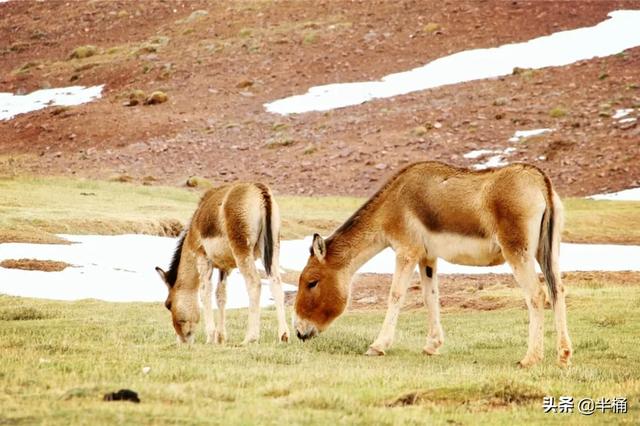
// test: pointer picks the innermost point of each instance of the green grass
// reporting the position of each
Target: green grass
(60, 358)
(35, 209)
(602, 221)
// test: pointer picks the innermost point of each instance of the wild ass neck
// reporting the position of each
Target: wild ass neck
(353, 246)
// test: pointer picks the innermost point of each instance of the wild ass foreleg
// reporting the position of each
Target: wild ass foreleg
(404, 268)
(525, 274)
(431, 296)
(221, 300)
(247, 267)
(205, 269)
(275, 283)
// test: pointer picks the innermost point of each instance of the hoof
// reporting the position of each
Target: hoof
(428, 350)
(527, 362)
(220, 338)
(374, 352)
(564, 358)
(285, 337)
(431, 348)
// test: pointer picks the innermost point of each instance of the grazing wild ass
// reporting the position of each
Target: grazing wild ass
(431, 210)
(232, 226)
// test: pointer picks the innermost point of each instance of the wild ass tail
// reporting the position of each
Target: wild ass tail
(549, 242)
(267, 229)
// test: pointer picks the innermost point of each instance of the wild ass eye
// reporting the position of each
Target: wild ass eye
(312, 284)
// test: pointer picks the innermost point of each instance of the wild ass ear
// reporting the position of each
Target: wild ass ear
(318, 247)
(163, 276)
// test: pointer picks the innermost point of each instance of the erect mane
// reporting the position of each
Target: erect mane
(355, 217)
(172, 274)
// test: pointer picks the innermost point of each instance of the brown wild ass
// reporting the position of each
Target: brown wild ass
(431, 210)
(232, 226)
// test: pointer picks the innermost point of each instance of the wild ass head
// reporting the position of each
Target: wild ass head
(322, 291)
(182, 300)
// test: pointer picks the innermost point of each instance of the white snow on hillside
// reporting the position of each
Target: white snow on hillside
(615, 34)
(12, 105)
(632, 194)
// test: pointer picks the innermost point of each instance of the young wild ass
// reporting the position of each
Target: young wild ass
(431, 210)
(232, 226)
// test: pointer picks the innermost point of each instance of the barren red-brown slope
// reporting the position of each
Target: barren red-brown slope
(219, 68)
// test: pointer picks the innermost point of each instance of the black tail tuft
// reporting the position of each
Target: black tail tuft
(547, 252)
(267, 251)
(546, 243)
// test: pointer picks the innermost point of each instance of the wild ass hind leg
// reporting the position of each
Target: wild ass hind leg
(405, 265)
(565, 350)
(430, 294)
(275, 283)
(247, 266)
(220, 335)
(205, 269)
(525, 274)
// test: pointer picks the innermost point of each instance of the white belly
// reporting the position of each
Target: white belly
(464, 250)
(218, 250)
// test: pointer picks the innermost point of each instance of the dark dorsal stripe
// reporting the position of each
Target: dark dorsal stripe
(172, 274)
(355, 217)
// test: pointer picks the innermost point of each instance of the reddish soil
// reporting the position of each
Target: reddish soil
(219, 69)
(462, 292)
(34, 265)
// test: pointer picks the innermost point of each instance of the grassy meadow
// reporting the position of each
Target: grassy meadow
(59, 359)
(35, 209)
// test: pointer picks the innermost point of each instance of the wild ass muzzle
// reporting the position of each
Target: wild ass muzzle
(431, 210)
(232, 226)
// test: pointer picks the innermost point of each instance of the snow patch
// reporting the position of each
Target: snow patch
(494, 161)
(112, 268)
(121, 268)
(622, 113)
(12, 105)
(632, 194)
(479, 153)
(524, 134)
(609, 37)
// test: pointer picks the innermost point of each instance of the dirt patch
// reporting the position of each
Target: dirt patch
(486, 292)
(34, 265)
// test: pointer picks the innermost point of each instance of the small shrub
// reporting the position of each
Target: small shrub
(419, 130)
(309, 149)
(557, 112)
(310, 37)
(431, 28)
(280, 142)
(198, 182)
(157, 97)
(21, 314)
(82, 52)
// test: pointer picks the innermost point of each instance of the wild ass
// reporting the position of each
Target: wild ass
(232, 226)
(431, 210)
